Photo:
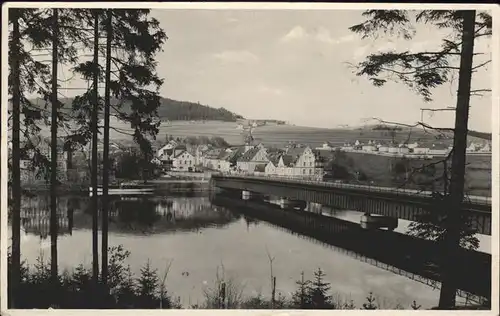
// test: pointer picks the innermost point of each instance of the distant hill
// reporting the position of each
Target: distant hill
(173, 110)
(383, 127)
(480, 135)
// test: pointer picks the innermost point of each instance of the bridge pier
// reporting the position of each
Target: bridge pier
(290, 204)
(369, 221)
(248, 195)
(315, 207)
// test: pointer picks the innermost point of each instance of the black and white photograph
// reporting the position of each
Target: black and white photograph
(251, 156)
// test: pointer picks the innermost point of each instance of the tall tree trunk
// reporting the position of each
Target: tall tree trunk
(454, 225)
(95, 169)
(16, 172)
(53, 155)
(106, 164)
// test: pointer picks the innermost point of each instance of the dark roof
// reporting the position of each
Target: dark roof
(248, 156)
(294, 154)
(182, 152)
(180, 147)
(225, 155)
(288, 160)
(214, 153)
(236, 154)
(274, 158)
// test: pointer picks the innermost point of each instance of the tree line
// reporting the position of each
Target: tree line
(168, 109)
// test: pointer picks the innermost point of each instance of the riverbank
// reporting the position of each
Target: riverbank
(161, 185)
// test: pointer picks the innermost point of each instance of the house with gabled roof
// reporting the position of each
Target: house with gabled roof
(211, 158)
(184, 161)
(251, 158)
(303, 161)
(167, 150)
(486, 148)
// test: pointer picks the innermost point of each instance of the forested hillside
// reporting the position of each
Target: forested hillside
(174, 110)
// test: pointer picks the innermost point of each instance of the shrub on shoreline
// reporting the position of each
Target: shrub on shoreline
(76, 290)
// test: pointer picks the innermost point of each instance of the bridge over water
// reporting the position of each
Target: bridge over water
(393, 202)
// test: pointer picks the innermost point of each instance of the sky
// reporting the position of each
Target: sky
(292, 65)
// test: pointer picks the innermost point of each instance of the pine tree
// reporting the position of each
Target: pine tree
(33, 30)
(423, 71)
(136, 85)
(147, 286)
(370, 302)
(301, 298)
(319, 292)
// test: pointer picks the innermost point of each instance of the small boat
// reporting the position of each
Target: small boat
(125, 189)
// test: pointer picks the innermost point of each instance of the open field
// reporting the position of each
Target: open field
(270, 135)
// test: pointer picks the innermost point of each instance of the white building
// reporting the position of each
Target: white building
(295, 162)
(392, 149)
(403, 149)
(413, 145)
(369, 147)
(439, 150)
(421, 150)
(472, 147)
(211, 158)
(383, 148)
(251, 158)
(184, 161)
(347, 147)
(326, 146)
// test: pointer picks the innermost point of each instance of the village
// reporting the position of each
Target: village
(294, 160)
(412, 150)
(181, 158)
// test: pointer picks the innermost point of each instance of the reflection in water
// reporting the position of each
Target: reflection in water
(199, 237)
(35, 216)
(144, 215)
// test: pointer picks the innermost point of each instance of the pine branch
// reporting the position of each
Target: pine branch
(481, 65)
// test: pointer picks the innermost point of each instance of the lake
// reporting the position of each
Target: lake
(200, 240)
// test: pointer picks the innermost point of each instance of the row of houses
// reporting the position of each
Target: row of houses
(294, 161)
(415, 148)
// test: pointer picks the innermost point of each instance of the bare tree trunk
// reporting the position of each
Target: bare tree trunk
(53, 154)
(106, 165)
(452, 238)
(16, 172)
(95, 170)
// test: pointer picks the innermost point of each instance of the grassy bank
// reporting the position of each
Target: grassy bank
(382, 171)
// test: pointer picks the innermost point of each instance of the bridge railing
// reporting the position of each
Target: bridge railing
(371, 188)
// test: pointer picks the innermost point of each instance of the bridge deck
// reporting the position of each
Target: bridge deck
(401, 203)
